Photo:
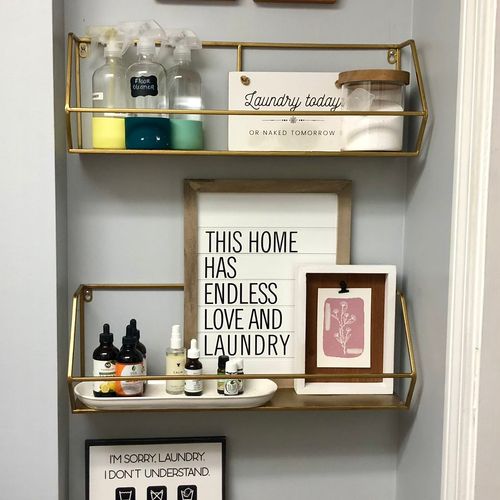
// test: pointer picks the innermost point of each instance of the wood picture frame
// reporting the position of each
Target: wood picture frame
(328, 294)
(301, 195)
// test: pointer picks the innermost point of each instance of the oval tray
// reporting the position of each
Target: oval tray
(257, 393)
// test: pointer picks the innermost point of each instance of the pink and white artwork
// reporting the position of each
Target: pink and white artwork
(343, 334)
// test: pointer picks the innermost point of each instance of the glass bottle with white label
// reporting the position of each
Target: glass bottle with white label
(147, 89)
(109, 91)
(193, 367)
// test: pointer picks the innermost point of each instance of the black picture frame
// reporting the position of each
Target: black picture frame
(152, 441)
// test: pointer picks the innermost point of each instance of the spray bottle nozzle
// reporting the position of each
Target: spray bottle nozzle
(184, 42)
(113, 39)
(147, 34)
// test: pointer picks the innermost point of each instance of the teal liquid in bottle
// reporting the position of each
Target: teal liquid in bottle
(147, 89)
(184, 92)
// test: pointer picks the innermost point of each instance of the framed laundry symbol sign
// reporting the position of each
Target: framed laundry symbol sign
(345, 320)
(155, 469)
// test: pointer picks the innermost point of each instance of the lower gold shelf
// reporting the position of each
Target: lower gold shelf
(284, 399)
(288, 400)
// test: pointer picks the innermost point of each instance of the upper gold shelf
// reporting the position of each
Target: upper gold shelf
(77, 49)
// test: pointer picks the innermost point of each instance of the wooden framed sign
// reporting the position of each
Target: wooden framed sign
(345, 320)
(244, 240)
(155, 469)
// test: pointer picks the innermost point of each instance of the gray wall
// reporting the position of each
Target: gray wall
(427, 246)
(125, 225)
(30, 283)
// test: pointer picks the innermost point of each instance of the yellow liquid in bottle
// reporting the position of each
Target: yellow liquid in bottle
(108, 132)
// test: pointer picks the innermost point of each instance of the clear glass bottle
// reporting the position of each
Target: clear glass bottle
(184, 92)
(175, 361)
(147, 89)
(109, 91)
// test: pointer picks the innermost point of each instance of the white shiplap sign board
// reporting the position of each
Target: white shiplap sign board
(249, 248)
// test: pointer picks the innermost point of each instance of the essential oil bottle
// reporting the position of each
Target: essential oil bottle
(231, 384)
(132, 331)
(175, 361)
(239, 364)
(104, 363)
(129, 363)
(193, 367)
(221, 370)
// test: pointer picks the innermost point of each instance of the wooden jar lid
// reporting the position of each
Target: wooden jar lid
(395, 76)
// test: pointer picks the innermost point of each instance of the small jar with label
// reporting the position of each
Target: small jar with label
(231, 384)
(380, 90)
(104, 363)
(129, 363)
(221, 370)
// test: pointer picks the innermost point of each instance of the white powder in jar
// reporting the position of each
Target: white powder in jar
(374, 133)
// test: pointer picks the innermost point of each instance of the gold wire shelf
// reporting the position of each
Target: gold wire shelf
(78, 49)
(285, 399)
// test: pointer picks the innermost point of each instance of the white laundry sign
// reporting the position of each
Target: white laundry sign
(155, 469)
(249, 246)
(264, 91)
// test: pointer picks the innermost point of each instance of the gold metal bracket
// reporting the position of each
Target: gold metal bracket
(392, 56)
(83, 49)
(88, 295)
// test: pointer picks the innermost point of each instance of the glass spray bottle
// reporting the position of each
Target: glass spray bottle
(175, 361)
(147, 89)
(109, 91)
(184, 92)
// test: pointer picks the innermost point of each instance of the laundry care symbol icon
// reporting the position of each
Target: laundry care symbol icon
(156, 493)
(187, 492)
(125, 494)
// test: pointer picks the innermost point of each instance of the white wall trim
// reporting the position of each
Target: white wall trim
(468, 246)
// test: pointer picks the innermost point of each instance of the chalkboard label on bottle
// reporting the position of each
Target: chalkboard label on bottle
(142, 86)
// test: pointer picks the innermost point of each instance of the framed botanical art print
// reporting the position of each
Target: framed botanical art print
(345, 320)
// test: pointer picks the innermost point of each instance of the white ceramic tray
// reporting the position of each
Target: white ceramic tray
(257, 393)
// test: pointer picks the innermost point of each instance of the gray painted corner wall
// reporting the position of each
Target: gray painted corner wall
(427, 249)
(29, 421)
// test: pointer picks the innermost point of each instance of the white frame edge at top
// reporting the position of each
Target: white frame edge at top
(468, 246)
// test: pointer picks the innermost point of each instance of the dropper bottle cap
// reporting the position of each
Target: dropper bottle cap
(176, 337)
(193, 351)
(128, 340)
(106, 336)
(134, 332)
(130, 334)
